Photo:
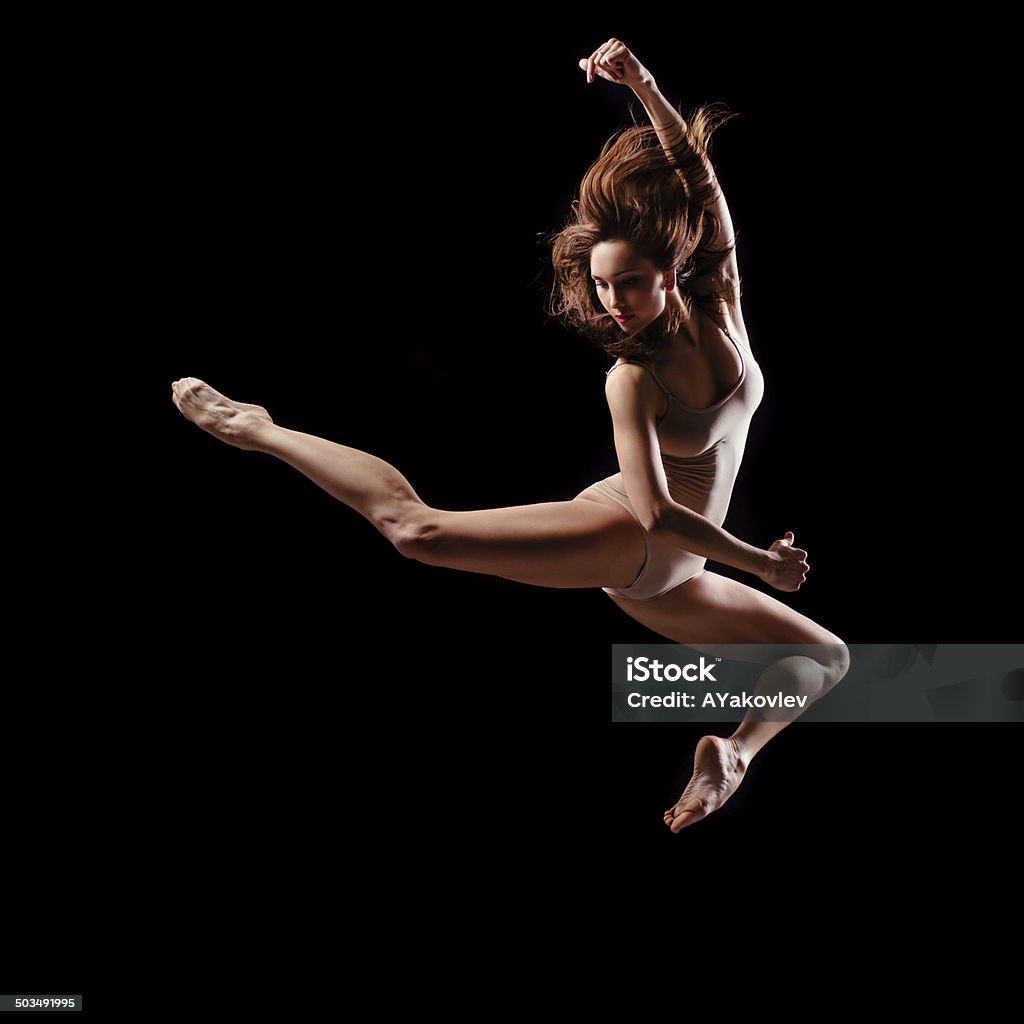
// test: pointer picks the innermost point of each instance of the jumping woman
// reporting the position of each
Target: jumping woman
(646, 269)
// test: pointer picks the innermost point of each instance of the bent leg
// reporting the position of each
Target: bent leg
(723, 617)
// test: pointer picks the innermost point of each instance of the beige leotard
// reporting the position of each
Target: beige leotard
(701, 450)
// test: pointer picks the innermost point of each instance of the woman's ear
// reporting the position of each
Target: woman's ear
(670, 279)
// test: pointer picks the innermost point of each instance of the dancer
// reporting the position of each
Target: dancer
(646, 269)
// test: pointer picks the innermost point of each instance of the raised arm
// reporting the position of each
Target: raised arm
(634, 402)
(685, 147)
(695, 171)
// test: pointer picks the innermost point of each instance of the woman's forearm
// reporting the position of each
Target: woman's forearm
(690, 531)
(695, 169)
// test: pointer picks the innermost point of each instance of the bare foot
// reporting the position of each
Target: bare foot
(236, 423)
(718, 769)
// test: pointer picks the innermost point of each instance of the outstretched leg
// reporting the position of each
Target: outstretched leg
(577, 543)
(723, 617)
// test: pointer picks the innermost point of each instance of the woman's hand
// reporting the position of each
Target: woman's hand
(787, 566)
(614, 61)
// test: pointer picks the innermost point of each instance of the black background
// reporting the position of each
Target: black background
(344, 228)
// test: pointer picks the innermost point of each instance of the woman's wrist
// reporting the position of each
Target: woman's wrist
(647, 84)
(763, 562)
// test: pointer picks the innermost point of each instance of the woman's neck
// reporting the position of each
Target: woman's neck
(688, 334)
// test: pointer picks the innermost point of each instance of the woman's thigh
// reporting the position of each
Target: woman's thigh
(578, 543)
(718, 615)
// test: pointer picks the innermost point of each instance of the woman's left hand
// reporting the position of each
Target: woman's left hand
(614, 61)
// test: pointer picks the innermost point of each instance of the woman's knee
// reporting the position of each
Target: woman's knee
(415, 533)
(835, 660)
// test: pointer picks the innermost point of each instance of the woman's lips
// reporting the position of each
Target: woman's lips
(625, 319)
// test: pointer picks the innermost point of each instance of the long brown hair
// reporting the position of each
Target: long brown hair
(634, 191)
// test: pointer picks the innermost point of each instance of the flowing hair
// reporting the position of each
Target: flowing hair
(659, 203)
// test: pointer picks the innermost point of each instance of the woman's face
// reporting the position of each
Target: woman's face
(632, 289)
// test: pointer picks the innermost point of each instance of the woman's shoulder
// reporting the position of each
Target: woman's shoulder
(635, 374)
(641, 365)
(635, 384)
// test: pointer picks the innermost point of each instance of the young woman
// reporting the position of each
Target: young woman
(647, 270)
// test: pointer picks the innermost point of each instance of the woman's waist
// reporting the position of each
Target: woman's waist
(689, 488)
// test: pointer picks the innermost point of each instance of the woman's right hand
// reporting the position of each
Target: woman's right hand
(787, 566)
